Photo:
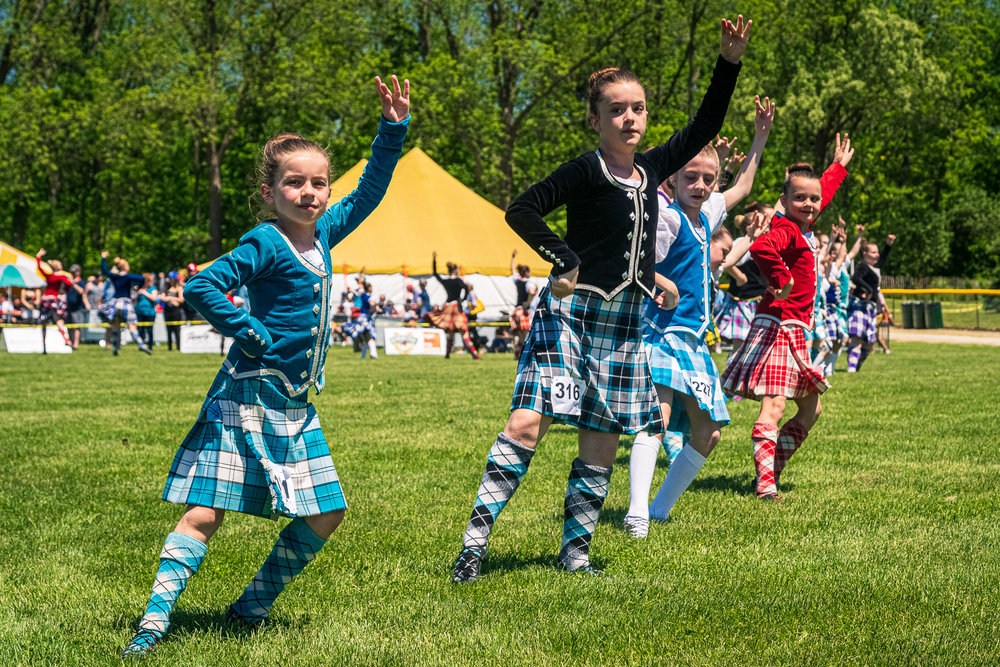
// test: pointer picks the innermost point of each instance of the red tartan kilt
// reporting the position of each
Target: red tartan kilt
(448, 317)
(519, 320)
(773, 361)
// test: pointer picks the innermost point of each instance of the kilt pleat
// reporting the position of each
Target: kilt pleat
(862, 319)
(123, 306)
(773, 361)
(733, 317)
(683, 362)
(596, 345)
(255, 450)
(448, 317)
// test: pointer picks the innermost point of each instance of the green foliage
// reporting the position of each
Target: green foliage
(134, 126)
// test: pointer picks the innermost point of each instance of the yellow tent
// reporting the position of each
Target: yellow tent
(426, 209)
(11, 255)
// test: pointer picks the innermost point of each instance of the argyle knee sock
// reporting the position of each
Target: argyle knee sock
(682, 472)
(469, 347)
(865, 351)
(585, 494)
(296, 547)
(641, 466)
(505, 466)
(673, 443)
(65, 334)
(789, 439)
(853, 355)
(179, 560)
(765, 442)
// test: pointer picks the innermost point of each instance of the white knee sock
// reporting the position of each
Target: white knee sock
(641, 465)
(372, 349)
(682, 472)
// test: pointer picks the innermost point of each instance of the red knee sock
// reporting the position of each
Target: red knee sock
(789, 439)
(765, 440)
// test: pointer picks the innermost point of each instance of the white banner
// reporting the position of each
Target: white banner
(200, 339)
(414, 340)
(28, 340)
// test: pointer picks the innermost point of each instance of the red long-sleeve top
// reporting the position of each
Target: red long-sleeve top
(53, 281)
(784, 253)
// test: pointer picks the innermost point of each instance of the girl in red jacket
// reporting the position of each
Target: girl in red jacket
(773, 363)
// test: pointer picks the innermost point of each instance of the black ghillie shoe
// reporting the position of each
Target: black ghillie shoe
(141, 644)
(234, 617)
(467, 565)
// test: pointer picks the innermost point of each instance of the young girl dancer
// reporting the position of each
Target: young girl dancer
(524, 304)
(257, 446)
(865, 303)
(685, 377)
(119, 307)
(582, 362)
(451, 317)
(53, 301)
(773, 363)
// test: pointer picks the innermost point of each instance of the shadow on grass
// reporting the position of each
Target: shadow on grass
(507, 563)
(740, 484)
(184, 622)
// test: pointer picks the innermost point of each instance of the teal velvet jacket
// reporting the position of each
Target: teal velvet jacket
(285, 334)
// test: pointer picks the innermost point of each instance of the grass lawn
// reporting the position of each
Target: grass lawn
(885, 551)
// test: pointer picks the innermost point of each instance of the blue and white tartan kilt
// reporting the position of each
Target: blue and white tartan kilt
(734, 317)
(836, 323)
(255, 450)
(862, 319)
(590, 346)
(122, 306)
(360, 325)
(682, 362)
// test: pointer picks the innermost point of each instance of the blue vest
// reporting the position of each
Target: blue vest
(687, 265)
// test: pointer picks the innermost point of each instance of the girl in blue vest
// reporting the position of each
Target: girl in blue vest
(685, 377)
(257, 446)
(582, 362)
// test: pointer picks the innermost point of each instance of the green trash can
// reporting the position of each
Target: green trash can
(932, 315)
(907, 314)
(919, 321)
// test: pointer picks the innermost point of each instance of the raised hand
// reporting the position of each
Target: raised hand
(734, 38)
(40, 253)
(104, 254)
(891, 239)
(722, 146)
(765, 116)
(736, 161)
(843, 153)
(860, 229)
(395, 103)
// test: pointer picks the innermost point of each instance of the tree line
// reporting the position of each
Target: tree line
(133, 126)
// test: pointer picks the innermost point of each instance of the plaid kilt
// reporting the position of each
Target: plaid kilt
(594, 344)
(836, 323)
(255, 450)
(53, 308)
(448, 317)
(862, 319)
(734, 317)
(359, 325)
(773, 361)
(122, 306)
(682, 362)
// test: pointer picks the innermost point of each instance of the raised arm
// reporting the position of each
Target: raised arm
(344, 217)
(762, 130)
(667, 158)
(856, 248)
(884, 255)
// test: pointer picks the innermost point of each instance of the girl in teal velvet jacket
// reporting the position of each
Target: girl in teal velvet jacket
(257, 446)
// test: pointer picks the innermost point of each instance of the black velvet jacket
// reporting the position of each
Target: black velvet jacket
(611, 226)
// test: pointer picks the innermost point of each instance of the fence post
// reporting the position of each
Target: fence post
(976, 297)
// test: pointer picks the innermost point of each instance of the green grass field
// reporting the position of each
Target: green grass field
(885, 551)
